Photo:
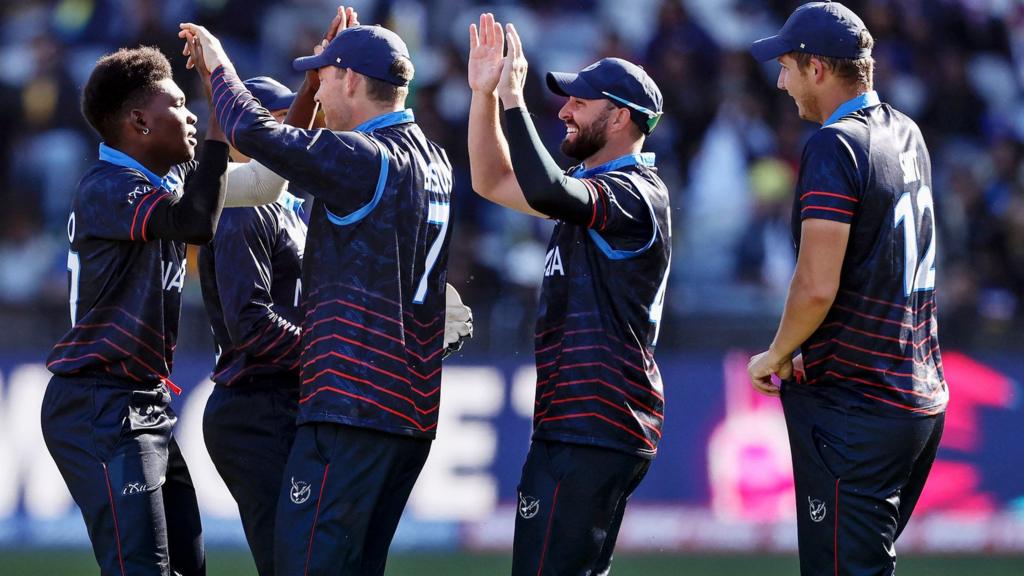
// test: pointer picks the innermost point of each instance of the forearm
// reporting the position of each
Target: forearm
(252, 184)
(193, 217)
(270, 336)
(545, 186)
(488, 150)
(806, 308)
(303, 109)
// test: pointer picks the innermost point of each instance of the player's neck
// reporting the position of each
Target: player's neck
(832, 99)
(145, 157)
(370, 112)
(612, 151)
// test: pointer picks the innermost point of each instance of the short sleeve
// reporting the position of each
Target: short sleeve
(120, 206)
(620, 214)
(829, 185)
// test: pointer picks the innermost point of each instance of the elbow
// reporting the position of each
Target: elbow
(201, 235)
(815, 292)
(819, 295)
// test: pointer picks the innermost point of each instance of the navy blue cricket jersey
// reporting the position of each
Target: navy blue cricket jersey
(125, 288)
(252, 288)
(375, 262)
(878, 348)
(600, 311)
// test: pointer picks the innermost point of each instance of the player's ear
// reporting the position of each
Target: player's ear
(620, 120)
(817, 70)
(137, 120)
(353, 83)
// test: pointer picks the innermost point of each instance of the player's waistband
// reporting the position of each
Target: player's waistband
(288, 379)
(103, 379)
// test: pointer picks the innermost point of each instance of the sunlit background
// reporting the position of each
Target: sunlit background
(719, 498)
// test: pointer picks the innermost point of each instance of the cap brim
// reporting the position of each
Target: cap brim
(307, 63)
(569, 84)
(769, 48)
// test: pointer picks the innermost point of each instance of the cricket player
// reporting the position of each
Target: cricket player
(599, 399)
(106, 415)
(251, 279)
(374, 289)
(865, 411)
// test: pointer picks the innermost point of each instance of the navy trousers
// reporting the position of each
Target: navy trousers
(343, 495)
(114, 448)
(249, 430)
(569, 508)
(858, 477)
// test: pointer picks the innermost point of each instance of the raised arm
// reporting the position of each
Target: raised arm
(489, 160)
(341, 168)
(193, 217)
(545, 187)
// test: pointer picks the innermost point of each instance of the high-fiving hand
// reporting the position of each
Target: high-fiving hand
(491, 70)
(210, 55)
(343, 18)
(486, 54)
(513, 71)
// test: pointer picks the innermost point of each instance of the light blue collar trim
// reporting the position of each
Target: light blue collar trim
(865, 100)
(645, 159)
(385, 120)
(170, 182)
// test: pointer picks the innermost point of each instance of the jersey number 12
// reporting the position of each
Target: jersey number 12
(918, 273)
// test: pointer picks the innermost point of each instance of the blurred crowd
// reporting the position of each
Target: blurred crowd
(728, 146)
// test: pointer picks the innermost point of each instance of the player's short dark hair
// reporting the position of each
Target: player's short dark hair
(856, 71)
(386, 92)
(120, 81)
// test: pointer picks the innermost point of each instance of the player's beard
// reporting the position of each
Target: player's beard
(588, 140)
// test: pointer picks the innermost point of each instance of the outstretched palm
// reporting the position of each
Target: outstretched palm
(486, 54)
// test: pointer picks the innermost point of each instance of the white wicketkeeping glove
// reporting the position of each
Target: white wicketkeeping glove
(458, 322)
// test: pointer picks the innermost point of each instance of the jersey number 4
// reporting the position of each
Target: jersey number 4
(918, 273)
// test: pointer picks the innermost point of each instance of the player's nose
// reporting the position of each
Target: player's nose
(780, 83)
(563, 113)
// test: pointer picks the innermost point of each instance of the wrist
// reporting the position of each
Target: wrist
(776, 356)
(512, 100)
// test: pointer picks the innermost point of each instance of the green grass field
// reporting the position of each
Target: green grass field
(237, 563)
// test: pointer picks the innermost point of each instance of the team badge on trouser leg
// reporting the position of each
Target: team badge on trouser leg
(858, 477)
(342, 497)
(570, 503)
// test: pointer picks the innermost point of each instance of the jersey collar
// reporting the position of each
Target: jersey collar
(385, 120)
(865, 100)
(170, 182)
(644, 159)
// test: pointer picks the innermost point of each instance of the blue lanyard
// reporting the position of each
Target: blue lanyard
(171, 182)
(645, 159)
(862, 101)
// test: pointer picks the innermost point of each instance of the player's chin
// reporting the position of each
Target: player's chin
(188, 150)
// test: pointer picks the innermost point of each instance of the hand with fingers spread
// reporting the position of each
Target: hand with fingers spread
(766, 364)
(343, 18)
(213, 53)
(486, 54)
(513, 72)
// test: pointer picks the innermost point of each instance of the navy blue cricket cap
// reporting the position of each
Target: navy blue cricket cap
(369, 50)
(820, 28)
(618, 80)
(272, 94)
